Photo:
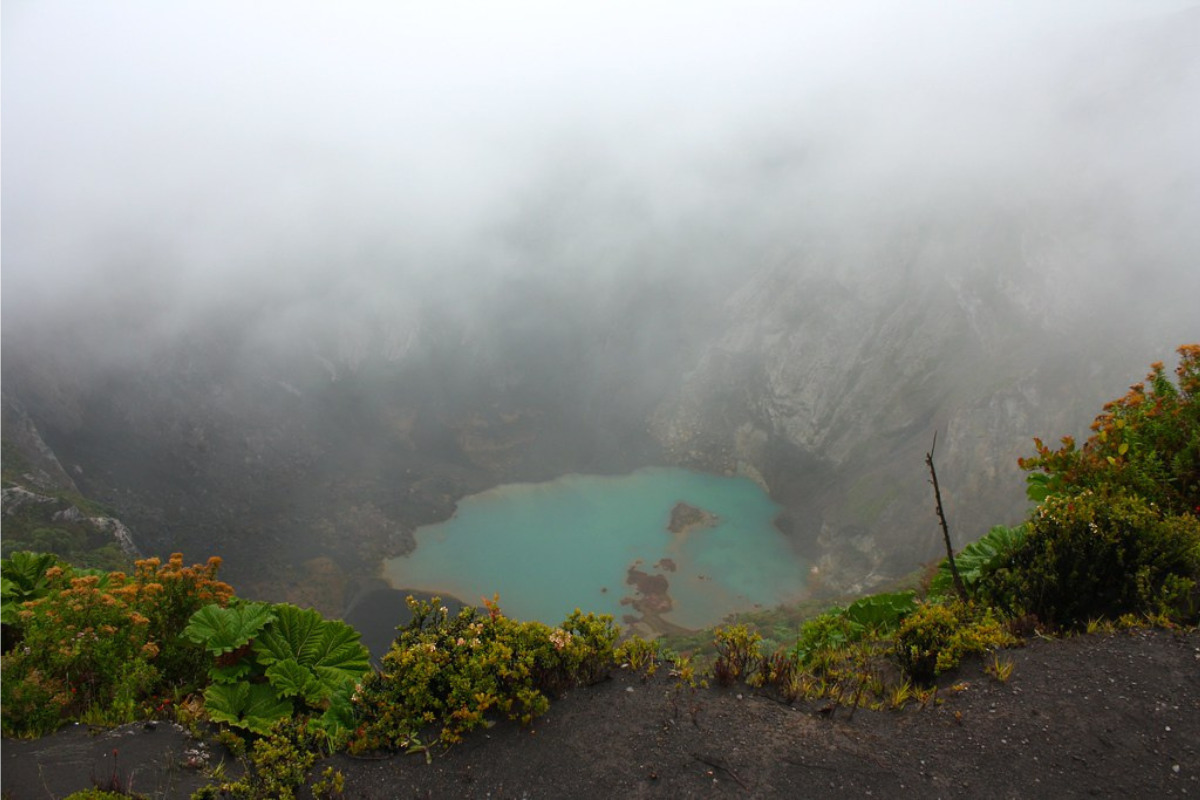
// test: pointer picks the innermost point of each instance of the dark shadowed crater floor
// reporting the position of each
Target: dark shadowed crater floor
(1092, 716)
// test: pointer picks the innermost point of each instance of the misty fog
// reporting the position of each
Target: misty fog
(784, 239)
(366, 158)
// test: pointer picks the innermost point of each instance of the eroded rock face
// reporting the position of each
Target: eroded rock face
(829, 380)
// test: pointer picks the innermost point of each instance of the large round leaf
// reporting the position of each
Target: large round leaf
(223, 630)
(329, 648)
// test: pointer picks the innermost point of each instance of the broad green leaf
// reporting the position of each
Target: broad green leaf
(9, 604)
(223, 630)
(336, 679)
(1038, 486)
(27, 571)
(294, 634)
(253, 706)
(882, 612)
(232, 673)
(979, 559)
(1123, 449)
(338, 719)
(290, 679)
(330, 648)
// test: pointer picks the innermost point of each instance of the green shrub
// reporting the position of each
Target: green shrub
(882, 613)
(936, 637)
(455, 670)
(23, 578)
(1094, 555)
(277, 764)
(823, 636)
(640, 655)
(823, 639)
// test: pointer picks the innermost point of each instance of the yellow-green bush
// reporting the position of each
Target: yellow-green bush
(936, 637)
(454, 670)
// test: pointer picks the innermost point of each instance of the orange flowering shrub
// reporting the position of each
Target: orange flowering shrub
(1117, 529)
(1146, 443)
(97, 647)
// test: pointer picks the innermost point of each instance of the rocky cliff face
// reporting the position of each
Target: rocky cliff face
(832, 374)
(823, 377)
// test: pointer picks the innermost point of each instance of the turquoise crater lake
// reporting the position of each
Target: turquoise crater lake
(659, 549)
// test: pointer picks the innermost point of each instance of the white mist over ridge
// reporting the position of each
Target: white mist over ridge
(185, 155)
(281, 273)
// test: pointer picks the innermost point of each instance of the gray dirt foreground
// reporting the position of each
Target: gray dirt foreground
(1108, 715)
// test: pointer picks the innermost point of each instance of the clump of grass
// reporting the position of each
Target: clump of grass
(1000, 669)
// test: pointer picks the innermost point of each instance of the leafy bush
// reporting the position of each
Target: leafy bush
(823, 638)
(1146, 443)
(276, 766)
(453, 671)
(936, 637)
(1106, 554)
(96, 647)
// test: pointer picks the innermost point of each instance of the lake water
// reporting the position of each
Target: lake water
(590, 542)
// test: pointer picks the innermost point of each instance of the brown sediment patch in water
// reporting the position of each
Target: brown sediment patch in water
(666, 564)
(685, 519)
(651, 601)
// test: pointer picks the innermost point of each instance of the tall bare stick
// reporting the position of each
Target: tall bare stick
(937, 494)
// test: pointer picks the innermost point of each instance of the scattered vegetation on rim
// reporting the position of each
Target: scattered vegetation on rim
(1114, 541)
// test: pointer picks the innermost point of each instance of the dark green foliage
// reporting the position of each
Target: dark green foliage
(875, 615)
(979, 561)
(22, 577)
(823, 635)
(253, 706)
(1094, 555)
(324, 656)
(278, 661)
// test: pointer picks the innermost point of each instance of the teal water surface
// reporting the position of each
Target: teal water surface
(548, 548)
